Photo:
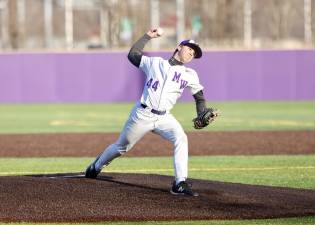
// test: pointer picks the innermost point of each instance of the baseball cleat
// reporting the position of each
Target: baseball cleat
(183, 188)
(91, 172)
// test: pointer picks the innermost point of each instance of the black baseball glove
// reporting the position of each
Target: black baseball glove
(205, 117)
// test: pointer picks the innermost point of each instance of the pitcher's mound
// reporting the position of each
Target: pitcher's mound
(139, 197)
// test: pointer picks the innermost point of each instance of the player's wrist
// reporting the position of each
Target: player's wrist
(147, 36)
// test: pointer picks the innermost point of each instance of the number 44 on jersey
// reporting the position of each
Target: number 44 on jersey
(154, 85)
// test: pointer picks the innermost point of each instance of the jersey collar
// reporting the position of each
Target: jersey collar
(173, 62)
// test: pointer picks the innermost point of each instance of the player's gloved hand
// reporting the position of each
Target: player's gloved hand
(205, 118)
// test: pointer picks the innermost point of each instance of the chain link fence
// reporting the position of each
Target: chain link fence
(116, 24)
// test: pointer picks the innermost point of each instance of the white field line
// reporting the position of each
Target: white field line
(171, 169)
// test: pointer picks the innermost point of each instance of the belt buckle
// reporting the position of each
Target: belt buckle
(146, 108)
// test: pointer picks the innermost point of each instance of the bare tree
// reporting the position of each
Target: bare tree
(13, 24)
(211, 22)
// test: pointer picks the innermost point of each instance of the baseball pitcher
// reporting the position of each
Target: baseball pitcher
(165, 81)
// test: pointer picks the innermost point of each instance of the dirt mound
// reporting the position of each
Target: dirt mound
(139, 197)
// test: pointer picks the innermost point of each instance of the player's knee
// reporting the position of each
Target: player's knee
(123, 148)
(181, 139)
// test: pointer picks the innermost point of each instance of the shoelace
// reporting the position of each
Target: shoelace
(188, 185)
(185, 185)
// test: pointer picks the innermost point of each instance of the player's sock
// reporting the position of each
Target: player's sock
(178, 180)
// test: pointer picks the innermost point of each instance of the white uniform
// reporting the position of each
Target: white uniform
(164, 85)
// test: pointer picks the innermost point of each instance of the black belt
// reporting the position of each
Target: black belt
(157, 112)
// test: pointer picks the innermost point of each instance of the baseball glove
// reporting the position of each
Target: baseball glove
(205, 117)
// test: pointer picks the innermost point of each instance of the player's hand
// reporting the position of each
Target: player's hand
(204, 118)
(155, 32)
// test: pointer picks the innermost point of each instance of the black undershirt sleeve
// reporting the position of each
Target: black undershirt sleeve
(135, 52)
(200, 102)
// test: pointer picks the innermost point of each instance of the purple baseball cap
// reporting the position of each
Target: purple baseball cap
(194, 45)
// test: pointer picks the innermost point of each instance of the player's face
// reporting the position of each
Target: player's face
(186, 54)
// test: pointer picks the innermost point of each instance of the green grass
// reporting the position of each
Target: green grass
(296, 171)
(48, 118)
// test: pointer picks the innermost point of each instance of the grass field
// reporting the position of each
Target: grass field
(289, 171)
(49, 118)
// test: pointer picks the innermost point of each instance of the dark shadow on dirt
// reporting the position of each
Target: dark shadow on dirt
(142, 197)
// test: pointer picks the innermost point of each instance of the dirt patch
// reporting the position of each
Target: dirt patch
(139, 197)
(200, 143)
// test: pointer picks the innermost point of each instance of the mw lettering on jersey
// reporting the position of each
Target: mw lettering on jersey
(183, 83)
(176, 77)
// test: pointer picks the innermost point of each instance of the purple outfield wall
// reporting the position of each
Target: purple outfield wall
(109, 77)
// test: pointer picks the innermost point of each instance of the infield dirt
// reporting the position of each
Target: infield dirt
(139, 197)
(200, 143)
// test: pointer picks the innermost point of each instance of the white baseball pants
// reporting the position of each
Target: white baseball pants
(140, 122)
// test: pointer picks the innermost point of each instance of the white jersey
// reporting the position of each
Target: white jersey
(165, 83)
